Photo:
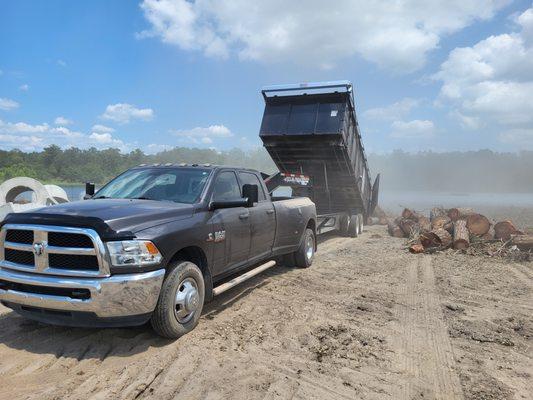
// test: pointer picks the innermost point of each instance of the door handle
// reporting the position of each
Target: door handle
(270, 212)
(244, 216)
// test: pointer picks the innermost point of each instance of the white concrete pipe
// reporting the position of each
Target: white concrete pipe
(54, 192)
(10, 189)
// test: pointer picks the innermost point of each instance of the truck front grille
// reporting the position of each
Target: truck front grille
(19, 236)
(69, 240)
(73, 261)
(53, 250)
(19, 257)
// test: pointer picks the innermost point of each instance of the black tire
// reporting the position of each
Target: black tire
(165, 318)
(344, 225)
(303, 257)
(353, 227)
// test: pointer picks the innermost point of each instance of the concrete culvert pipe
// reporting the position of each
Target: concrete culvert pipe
(10, 189)
(56, 195)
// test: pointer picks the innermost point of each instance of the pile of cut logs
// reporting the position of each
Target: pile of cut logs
(454, 228)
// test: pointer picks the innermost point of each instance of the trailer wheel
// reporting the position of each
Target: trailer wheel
(353, 226)
(344, 225)
(180, 301)
(303, 257)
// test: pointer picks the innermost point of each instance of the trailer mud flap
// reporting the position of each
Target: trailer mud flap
(374, 198)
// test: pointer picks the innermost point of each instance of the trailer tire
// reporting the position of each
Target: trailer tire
(344, 225)
(180, 302)
(353, 226)
(303, 257)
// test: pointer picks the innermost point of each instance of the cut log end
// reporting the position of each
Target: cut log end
(461, 236)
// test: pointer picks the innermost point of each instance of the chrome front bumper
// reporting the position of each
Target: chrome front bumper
(114, 296)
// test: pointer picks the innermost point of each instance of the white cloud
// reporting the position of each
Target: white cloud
(123, 113)
(203, 135)
(415, 129)
(397, 36)
(102, 129)
(24, 87)
(62, 121)
(61, 63)
(492, 81)
(394, 111)
(104, 138)
(8, 104)
(30, 137)
(22, 127)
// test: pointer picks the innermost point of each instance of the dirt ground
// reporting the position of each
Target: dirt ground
(366, 321)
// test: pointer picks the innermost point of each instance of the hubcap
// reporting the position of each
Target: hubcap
(309, 248)
(187, 300)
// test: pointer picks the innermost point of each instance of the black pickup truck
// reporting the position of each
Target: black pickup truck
(152, 244)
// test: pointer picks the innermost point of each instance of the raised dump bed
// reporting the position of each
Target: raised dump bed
(312, 129)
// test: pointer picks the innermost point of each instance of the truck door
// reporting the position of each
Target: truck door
(262, 220)
(231, 226)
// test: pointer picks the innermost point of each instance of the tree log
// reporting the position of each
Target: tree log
(437, 212)
(504, 229)
(477, 224)
(461, 236)
(409, 214)
(442, 222)
(523, 242)
(395, 230)
(437, 238)
(424, 224)
(459, 213)
(408, 226)
(444, 236)
(416, 248)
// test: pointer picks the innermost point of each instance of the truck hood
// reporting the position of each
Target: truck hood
(119, 215)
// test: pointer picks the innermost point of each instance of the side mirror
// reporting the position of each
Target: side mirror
(89, 190)
(215, 205)
(251, 193)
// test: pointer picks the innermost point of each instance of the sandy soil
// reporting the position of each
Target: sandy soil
(366, 321)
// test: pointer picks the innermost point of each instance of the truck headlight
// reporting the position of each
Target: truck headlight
(133, 253)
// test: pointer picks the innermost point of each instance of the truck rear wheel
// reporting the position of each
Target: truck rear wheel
(180, 301)
(303, 257)
(353, 226)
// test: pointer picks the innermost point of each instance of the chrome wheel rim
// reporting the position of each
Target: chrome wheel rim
(309, 248)
(186, 301)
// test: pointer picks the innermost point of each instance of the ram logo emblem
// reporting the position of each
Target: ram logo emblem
(38, 248)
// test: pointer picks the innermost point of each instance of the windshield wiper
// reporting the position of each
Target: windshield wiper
(141, 198)
(100, 197)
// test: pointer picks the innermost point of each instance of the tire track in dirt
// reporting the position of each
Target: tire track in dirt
(425, 352)
(522, 273)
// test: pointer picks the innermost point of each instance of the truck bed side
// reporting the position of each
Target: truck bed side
(292, 217)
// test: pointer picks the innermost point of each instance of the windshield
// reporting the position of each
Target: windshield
(181, 185)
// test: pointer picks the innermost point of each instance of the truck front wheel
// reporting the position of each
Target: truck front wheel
(180, 301)
(303, 257)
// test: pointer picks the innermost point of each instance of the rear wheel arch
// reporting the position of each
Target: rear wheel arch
(197, 256)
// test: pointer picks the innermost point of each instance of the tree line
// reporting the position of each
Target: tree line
(473, 171)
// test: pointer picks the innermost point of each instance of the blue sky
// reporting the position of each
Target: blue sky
(433, 75)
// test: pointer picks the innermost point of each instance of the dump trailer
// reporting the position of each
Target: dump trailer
(311, 132)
